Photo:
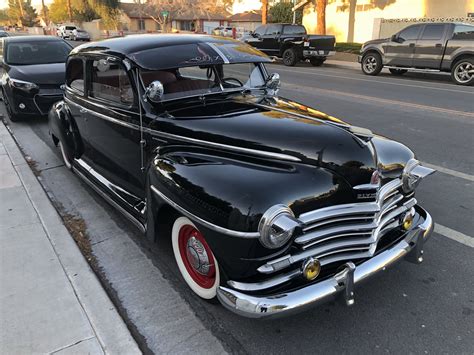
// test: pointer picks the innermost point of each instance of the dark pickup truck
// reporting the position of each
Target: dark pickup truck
(433, 47)
(292, 43)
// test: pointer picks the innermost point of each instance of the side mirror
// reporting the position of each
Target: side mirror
(394, 38)
(154, 92)
(273, 83)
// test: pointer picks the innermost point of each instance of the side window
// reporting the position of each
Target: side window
(433, 32)
(294, 30)
(273, 30)
(463, 32)
(261, 30)
(409, 33)
(75, 74)
(109, 81)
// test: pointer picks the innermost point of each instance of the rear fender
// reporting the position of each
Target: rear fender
(63, 128)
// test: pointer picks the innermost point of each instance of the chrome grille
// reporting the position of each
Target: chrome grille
(346, 232)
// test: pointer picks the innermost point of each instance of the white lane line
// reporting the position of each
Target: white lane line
(379, 81)
(444, 170)
(454, 235)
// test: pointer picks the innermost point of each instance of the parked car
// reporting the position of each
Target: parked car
(80, 35)
(33, 74)
(222, 31)
(433, 47)
(269, 205)
(292, 43)
(4, 34)
(65, 31)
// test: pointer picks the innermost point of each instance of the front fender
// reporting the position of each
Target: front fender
(234, 194)
(63, 128)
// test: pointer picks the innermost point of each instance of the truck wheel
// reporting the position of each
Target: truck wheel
(290, 57)
(463, 72)
(317, 62)
(372, 64)
(398, 72)
(195, 259)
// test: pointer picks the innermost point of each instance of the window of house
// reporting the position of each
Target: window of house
(294, 30)
(433, 32)
(141, 25)
(110, 82)
(409, 33)
(75, 74)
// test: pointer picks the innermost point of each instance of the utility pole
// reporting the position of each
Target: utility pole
(352, 13)
(264, 11)
(294, 12)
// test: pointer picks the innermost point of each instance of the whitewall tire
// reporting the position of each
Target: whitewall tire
(195, 259)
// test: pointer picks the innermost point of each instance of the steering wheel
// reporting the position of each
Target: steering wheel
(233, 79)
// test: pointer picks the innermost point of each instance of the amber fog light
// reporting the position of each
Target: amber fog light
(407, 221)
(311, 269)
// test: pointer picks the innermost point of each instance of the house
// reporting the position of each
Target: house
(199, 20)
(381, 18)
(246, 21)
(138, 18)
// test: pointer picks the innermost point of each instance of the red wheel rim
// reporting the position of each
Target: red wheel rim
(197, 256)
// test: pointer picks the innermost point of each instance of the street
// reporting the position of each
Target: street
(427, 308)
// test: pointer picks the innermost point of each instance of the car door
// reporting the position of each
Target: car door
(271, 39)
(114, 127)
(399, 51)
(430, 46)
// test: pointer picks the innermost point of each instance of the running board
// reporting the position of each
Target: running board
(413, 69)
(106, 197)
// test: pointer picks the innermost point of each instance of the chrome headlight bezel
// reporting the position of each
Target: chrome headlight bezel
(277, 226)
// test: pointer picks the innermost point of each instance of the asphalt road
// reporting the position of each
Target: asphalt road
(427, 308)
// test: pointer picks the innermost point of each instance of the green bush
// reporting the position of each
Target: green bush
(348, 47)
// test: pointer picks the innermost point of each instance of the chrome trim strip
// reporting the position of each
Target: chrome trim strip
(207, 224)
(106, 197)
(218, 51)
(285, 303)
(261, 153)
(257, 286)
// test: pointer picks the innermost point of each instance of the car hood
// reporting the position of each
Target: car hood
(40, 74)
(376, 41)
(283, 127)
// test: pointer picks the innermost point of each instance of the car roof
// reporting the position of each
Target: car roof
(144, 50)
(39, 38)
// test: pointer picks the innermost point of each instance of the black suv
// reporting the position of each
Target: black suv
(292, 43)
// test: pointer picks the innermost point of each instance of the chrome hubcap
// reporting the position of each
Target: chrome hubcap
(464, 72)
(370, 64)
(197, 256)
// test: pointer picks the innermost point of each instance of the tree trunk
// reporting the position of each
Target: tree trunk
(69, 10)
(352, 14)
(321, 11)
(45, 13)
(264, 11)
(22, 13)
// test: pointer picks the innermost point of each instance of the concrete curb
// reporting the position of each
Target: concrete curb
(110, 329)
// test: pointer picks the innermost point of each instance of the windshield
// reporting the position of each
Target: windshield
(200, 80)
(41, 52)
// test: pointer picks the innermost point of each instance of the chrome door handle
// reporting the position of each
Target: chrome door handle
(83, 110)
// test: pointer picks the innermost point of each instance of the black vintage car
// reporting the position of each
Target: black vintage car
(33, 74)
(270, 206)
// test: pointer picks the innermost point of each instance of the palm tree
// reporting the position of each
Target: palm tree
(264, 11)
(321, 11)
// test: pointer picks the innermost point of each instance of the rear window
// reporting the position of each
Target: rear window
(44, 52)
(433, 32)
(294, 30)
(70, 28)
(463, 32)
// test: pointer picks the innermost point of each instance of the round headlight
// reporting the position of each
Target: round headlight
(277, 226)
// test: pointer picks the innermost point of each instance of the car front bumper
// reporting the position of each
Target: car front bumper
(341, 284)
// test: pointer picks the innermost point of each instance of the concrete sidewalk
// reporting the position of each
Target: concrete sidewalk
(50, 299)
